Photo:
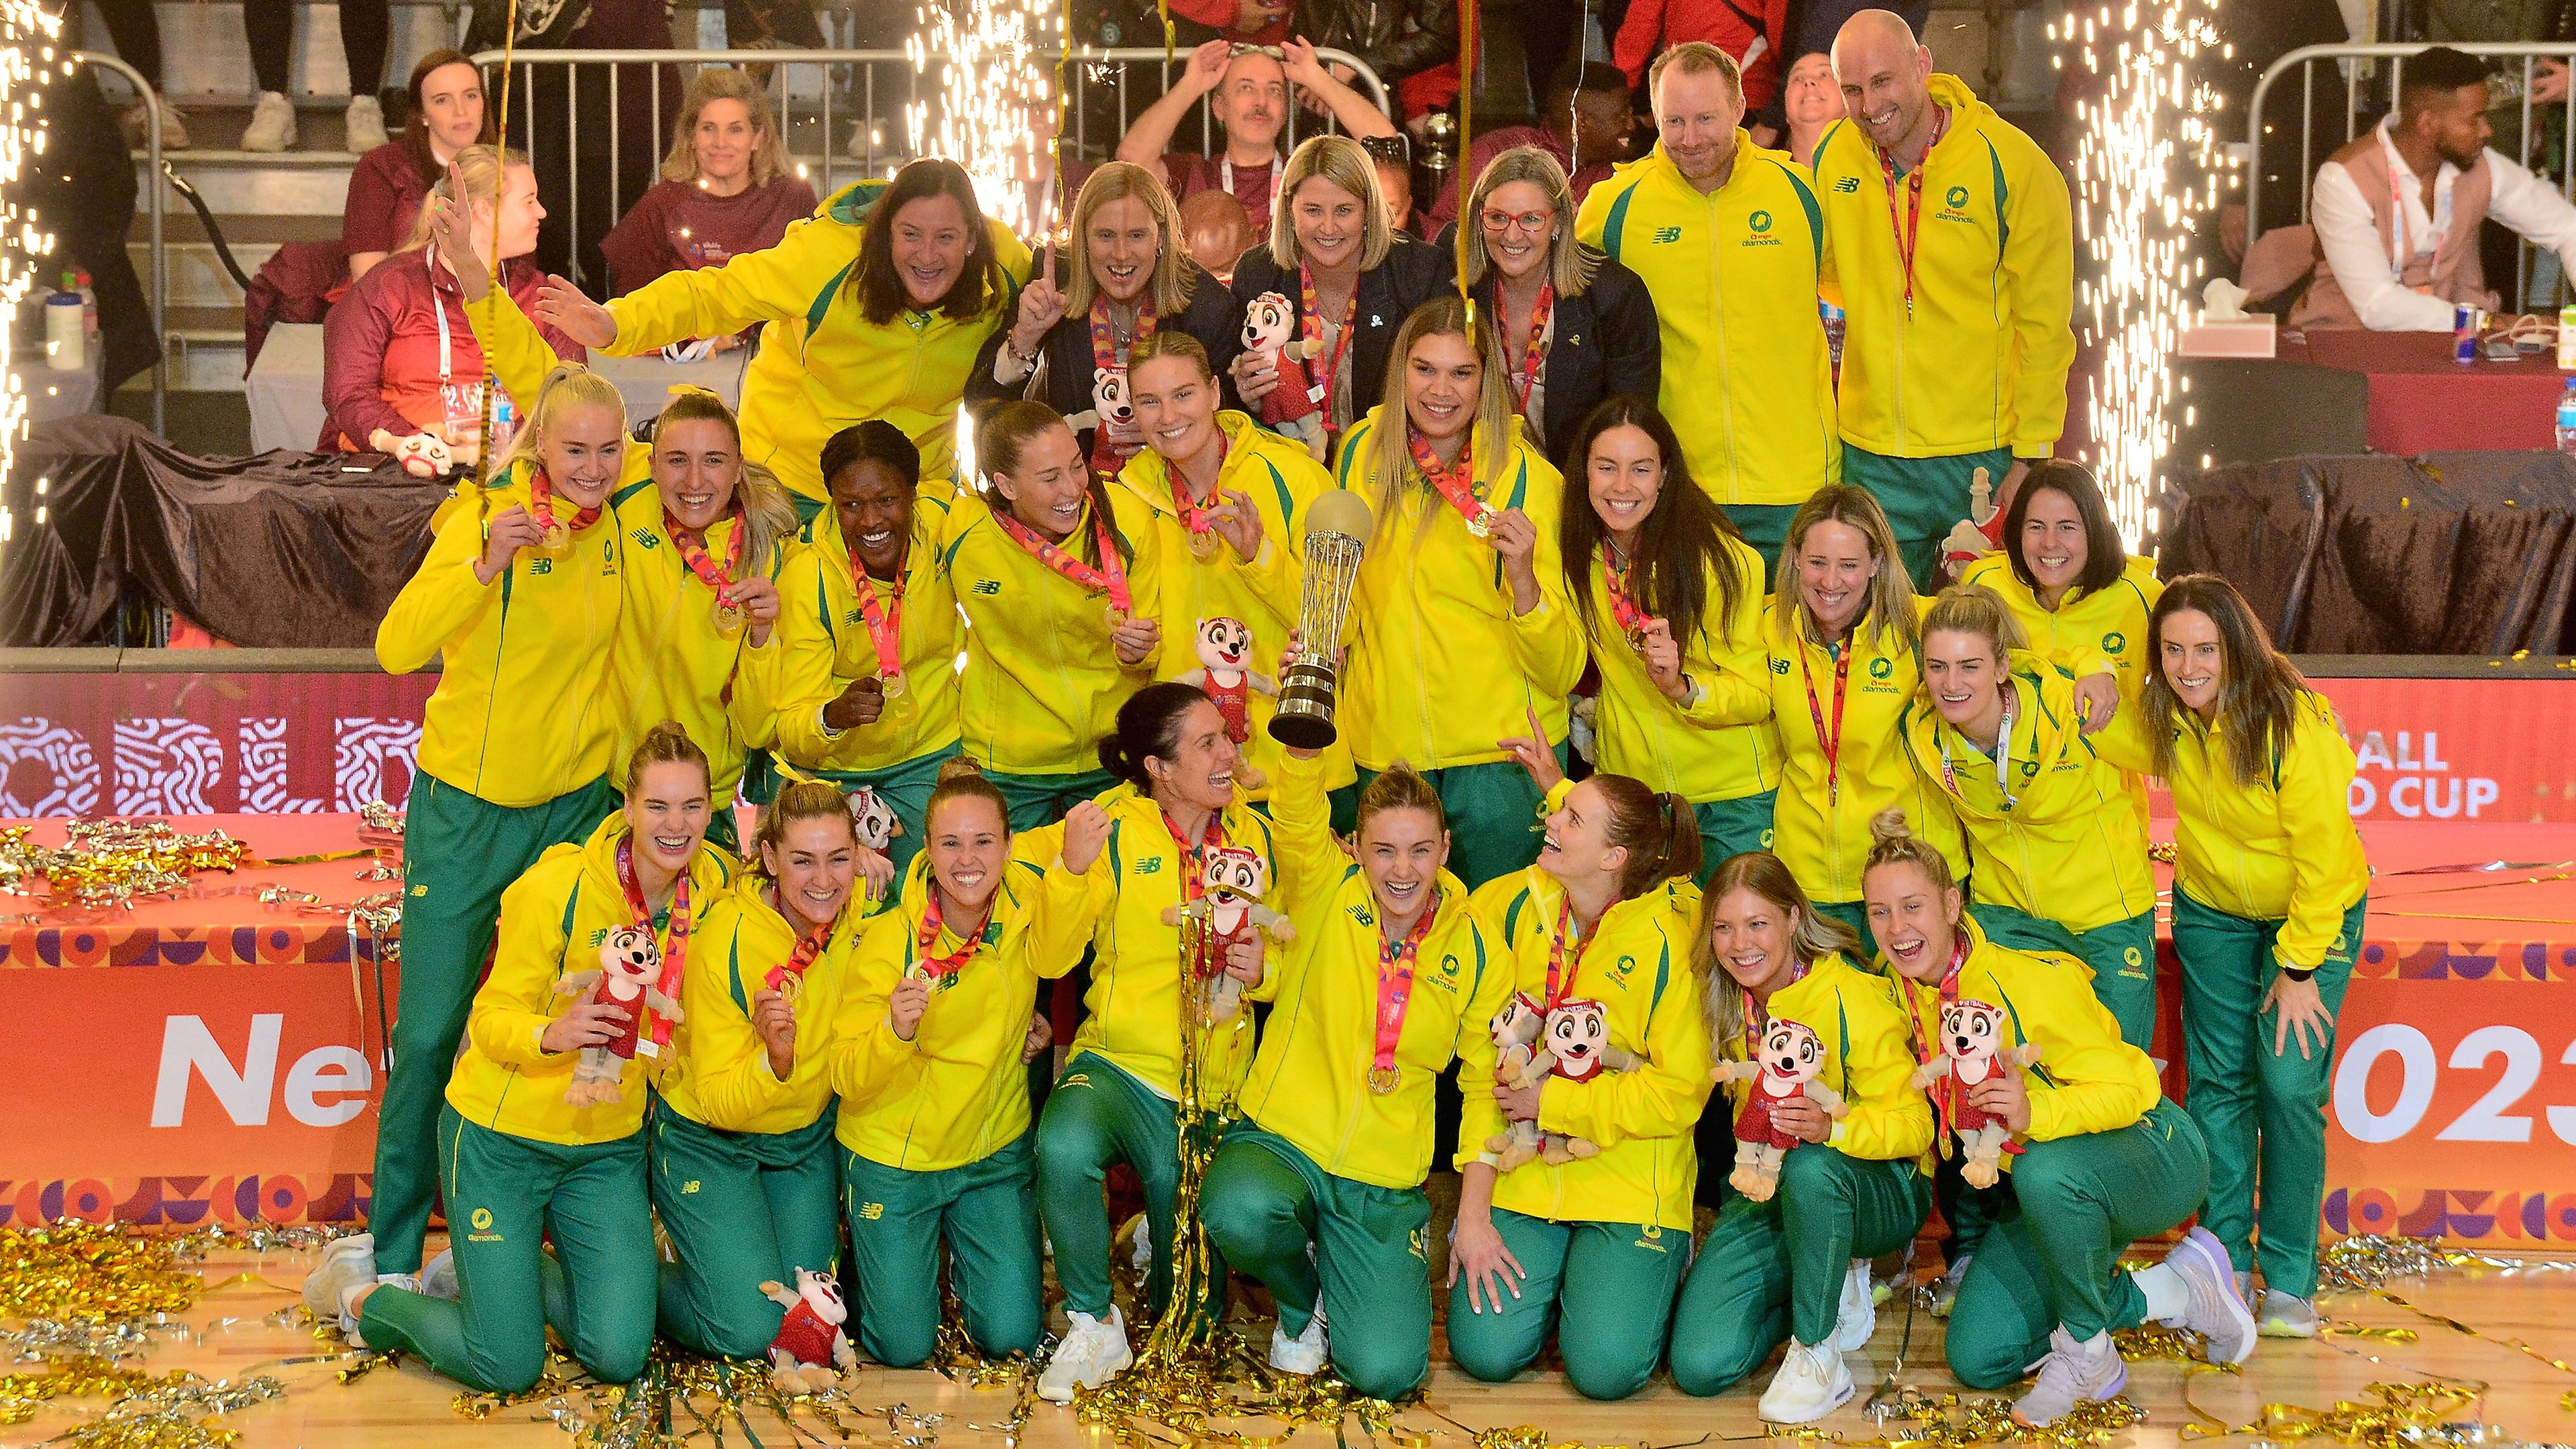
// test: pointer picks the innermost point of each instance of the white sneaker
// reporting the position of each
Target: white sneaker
(1812, 1382)
(2286, 1317)
(1093, 1352)
(1946, 1292)
(366, 125)
(272, 124)
(1857, 1318)
(1303, 1355)
(2217, 1311)
(136, 122)
(438, 1277)
(2073, 1373)
(344, 1261)
(347, 1308)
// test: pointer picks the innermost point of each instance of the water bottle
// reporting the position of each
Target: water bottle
(2567, 418)
(505, 423)
(76, 280)
(66, 349)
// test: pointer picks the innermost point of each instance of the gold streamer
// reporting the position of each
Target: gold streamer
(2392, 1416)
(111, 864)
(1467, 39)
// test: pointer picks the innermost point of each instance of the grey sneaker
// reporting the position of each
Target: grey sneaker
(2217, 1311)
(2284, 1316)
(344, 1261)
(2073, 1373)
(272, 124)
(1946, 1292)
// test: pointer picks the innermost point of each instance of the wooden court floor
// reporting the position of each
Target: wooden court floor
(238, 1332)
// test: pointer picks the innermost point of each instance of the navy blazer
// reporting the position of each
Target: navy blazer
(1212, 317)
(1410, 275)
(1607, 341)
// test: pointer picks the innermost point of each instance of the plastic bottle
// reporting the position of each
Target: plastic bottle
(89, 304)
(66, 349)
(2567, 418)
(2567, 338)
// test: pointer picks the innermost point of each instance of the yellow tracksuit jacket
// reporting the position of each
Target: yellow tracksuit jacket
(719, 1071)
(1309, 1082)
(519, 716)
(1867, 1059)
(2087, 1079)
(956, 1093)
(552, 921)
(2069, 847)
(1043, 682)
(1133, 1005)
(822, 365)
(1748, 377)
(1981, 360)
(2086, 633)
(2281, 849)
(1823, 835)
(824, 645)
(1721, 746)
(1280, 479)
(1637, 965)
(1437, 668)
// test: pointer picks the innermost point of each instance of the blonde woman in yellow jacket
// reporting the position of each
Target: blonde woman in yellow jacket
(1793, 1265)
(2270, 895)
(868, 631)
(875, 305)
(1063, 608)
(1845, 658)
(1953, 258)
(519, 1158)
(1119, 863)
(743, 1176)
(1459, 626)
(2095, 1157)
(519, 598)
(1389, 980)
(1225, 500)
(1597, 935)
(934, 1029)
(2060, 851)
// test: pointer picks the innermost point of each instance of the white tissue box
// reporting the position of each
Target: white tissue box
(2253, 335)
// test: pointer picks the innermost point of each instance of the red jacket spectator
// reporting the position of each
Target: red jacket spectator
(1752, 31)
(385, 192)
(388, 364)
(1490, 144)
(1245, 22)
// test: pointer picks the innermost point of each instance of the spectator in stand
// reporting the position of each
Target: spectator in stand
(386, 186)
(727, 188)
(1393, 158)
(1584, 123)
(1751, 32)
(1810, 103)
(1250, 89)
(1217, 231)
(1241, 22)
(365, 27)
(401, 371)
(135, 32)
(1402, 40)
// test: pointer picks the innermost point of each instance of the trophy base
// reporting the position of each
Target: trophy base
(1305, 717)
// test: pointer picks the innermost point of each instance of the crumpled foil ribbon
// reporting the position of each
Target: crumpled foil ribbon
(111, 864)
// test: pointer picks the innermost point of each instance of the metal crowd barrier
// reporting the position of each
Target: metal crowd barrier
(153, 198)
(812, 87)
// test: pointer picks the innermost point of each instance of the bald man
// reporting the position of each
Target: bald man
(1954, 255)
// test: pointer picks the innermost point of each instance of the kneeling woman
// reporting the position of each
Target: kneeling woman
(518, 1159)
(929, 1051)
(1597, 936)
(1387, 982)
(743, 1175)
(2096, 1157)
(1781, 1267)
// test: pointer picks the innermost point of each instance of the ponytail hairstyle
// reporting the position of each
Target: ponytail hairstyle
(1003, 438)
(799, 800)
(483, 168)
(568, 385)
(963, 779)
(1974, 609)
(1680, 545)
(1490, 434)
(1659, 830)
(2259, 689)
(668, 743)
(768, 517)
(1815, 936)
(1890, 614)
(1401, 787)
(1149, 727)
(1893, 842)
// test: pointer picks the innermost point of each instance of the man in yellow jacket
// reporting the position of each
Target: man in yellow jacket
(1954, 259)
(1731, 243)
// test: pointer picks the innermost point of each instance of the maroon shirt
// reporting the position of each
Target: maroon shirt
(385, 193)
(675, 227)
(1189, 173)
(1490, 144)
(380, 351)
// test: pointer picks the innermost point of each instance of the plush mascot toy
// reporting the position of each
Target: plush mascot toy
(630, 968)
(810, 1352)
(1578, 1038)
(1234, 880)
(1226, 675)
(1521, 1061)
(1969, 1034)
(1790, 1058)
(1293, 409)
(873, 819)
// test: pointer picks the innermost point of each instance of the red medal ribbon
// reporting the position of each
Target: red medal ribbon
(808, 947)
(676, 957)
(1758, 1023)
(693, 552)
(1625, 611)
(541, 503)
(936, 967)
(1556, 990)
(1830, 743)
(884, 621)
(1907, 232)
(1109, 454)
(1109, 578)
(1395, 986)
(1199, 517)
(1534, 353)
(1194, 876)
(1456, 482)
(1314, 329)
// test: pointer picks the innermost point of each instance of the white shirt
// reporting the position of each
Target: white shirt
(2348, 233)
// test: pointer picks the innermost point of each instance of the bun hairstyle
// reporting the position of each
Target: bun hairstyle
(1975, 609)
(877, 441)
(1149, 727)
(1660, 832)
(1893, 842)
(800, 800)
(568, 385)
(963, 779)
(767, 512)
(1816, 936)
(667, 743)
(1401, 787)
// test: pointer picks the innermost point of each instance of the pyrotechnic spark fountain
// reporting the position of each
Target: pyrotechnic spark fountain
(995, 111)
(28, 60)
(2145, 177)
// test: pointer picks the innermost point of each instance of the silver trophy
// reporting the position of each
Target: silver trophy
(1337, 533)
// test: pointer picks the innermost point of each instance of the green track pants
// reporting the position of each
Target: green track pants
(1098, 1115)
(2122, 956)
(986, 1214)
(741, 1208)
(1607, 1288)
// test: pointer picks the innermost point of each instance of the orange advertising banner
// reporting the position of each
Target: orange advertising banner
(2458, 749)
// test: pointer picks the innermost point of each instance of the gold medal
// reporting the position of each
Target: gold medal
(1116, 616)
(1482, 525)
(556, 539)
(890, 686)
(791, 987)
(1384, 1080)
(728, 616)
(1637, 638)
(1204, 544)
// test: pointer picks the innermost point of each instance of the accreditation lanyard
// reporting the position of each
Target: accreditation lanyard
(1830, 741)
(937, 967)
(1910, 229)
(1321, 392)
(2003, 756)
(1110, 578)
(1394, 993)
(884, 621)
(676, 957)
(1225, 180)
(2401, 207)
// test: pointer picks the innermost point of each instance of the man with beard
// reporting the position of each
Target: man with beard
(1249, 90)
